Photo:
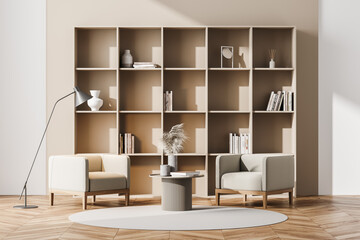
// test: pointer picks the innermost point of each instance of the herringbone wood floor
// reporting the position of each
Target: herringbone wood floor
(309, 218)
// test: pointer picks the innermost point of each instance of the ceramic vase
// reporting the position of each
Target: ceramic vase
(126, 59)
(172, 162)
(272, 63)
(95, 102)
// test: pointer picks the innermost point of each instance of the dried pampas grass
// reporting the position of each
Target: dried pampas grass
(172, 141)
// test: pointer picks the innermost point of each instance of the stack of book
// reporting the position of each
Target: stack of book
(281, 101)
(127, 143)
(168, 101)
(145, 65)
(239, 144)
(184, 174)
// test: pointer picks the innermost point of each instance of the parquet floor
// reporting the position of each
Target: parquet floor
(322, 217)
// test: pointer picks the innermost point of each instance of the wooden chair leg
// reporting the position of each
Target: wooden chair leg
(84, 201)
(127, 198)
(291, 198)
(51, 199)
(94, 198)
(245, 197)
(265, 200)
(217, 197)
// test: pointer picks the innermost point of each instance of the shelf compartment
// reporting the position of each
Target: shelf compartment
(274, 133)
(211, 175)
(194, 127)
(184, 47)
(147, 131)
(144, 44)
(93, 47)
(220, 125)
(105, 81)
(96, 133)
(141, 168)
(273, 38)
(229, 91)
(140, 91)
(189, 92)
(264, 82)
(235, 37)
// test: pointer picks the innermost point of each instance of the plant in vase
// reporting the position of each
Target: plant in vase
(272, 53)
(172, 143)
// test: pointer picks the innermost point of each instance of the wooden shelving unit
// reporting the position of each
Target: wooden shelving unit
(210, 100)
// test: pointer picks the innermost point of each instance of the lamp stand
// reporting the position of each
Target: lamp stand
(25, 198)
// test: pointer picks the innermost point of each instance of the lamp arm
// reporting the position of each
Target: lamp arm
(42, 138)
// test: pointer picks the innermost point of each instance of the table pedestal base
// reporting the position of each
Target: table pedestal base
(176, 194)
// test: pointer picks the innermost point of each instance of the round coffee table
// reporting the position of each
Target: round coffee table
(176, 192)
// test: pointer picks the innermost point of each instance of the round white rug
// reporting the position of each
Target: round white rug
(200, 218)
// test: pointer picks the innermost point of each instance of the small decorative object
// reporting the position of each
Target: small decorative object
(95, 102)
(228, 53)
(164, 170)
(172, 143)
(126, 59)
(272, 53)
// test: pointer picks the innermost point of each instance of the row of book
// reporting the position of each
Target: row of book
(184, 174)
(127, 143)
(145, 65)
(281, 101)
(239, 144)
(168, 101)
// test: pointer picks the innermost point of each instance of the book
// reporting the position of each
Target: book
(184, 174)
(271, 99)
(121, 140)
(132, 144)
(145, 65)
(230, 143)
(236, 144)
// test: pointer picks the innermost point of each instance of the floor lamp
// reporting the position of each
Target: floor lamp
(80, 98)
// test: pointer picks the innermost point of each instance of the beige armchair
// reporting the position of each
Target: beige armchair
(256, 174)
(89, 175)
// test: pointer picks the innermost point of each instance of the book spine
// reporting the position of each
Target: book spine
(129, 143)
(281, 100)
(121, 143)
(132, 144)
(233, 142)
(270, 101)
(230, 143)
(247, 143)
(273, 104)
(291, 101)
(125, 143)
(171, 100)
(236, 144)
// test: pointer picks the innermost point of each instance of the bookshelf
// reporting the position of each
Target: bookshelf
(210, 100)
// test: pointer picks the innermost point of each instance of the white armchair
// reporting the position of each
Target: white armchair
(89, 175)
(257, 174)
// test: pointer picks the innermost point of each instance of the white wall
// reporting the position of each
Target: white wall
(339, 97)
(22, 95)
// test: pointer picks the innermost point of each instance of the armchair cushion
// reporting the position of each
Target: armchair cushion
(102, 181)
(250, 181)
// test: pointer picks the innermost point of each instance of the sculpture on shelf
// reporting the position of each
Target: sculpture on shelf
(228, 53)
(272, 53)
(173, 143)
(95, 103)
(127, 59)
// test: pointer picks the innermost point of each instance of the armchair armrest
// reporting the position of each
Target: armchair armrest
(278, 172)
(226, 164)
(117, 164)
(69, 173)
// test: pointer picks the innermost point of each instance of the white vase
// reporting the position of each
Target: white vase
(127, 59)
(164, 170)
(95, 102)
(272, 63)
(172, 162)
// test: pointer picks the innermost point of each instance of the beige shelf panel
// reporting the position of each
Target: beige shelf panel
(134, 112)
(146, 128)
(211, 175)
(140, 69)
(96, 112)
(185, 69)
(144, 44)
(229, 69)
(269, 112)
(193, 112)
(229, 91)
(273, 133)
(96, 69)
(96, 133)
(236, 37)
(267, 38)
(216, 111)
(184, 48)
(194, 126)
(273, 69)
(265, 82)
(220, 125)
(140, 91)
(93, 46)
(141, 168)
(105, 81)
(189, 91)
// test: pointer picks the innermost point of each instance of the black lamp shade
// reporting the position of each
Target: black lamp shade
(80, 97)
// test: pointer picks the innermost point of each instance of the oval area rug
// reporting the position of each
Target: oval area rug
(199, 218)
